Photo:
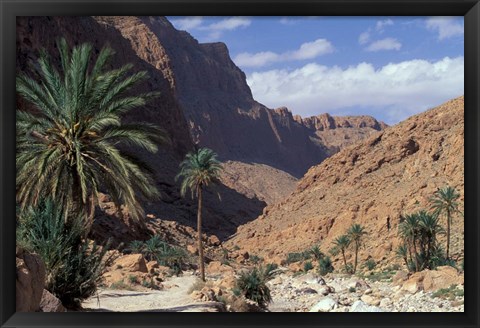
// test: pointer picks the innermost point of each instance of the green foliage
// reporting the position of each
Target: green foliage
(325, 266)
(68, 149)
(198, 170)
(136, 246)
(151, 247)
(448, 293)
(370, 264)
(252, 284)
(355, 234)
(352, 289)
(74, 268)
(307, 266)
(340, 245)
(173, 257)
(133, 279)
(298, 257)
(316, 253)
(255, 259)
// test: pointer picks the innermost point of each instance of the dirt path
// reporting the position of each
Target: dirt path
(174, 298)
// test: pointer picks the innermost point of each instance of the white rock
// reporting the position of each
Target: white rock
(325, 305)
(360, 306)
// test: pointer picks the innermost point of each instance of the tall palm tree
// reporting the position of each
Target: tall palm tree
(199, 169)
(355, 234)
(342, 243)
(68, 145)
(429, 229)
(445, 201)
(409, 230)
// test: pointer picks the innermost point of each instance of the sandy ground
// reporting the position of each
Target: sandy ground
(174, 298)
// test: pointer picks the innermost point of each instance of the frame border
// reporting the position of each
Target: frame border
(9, 9)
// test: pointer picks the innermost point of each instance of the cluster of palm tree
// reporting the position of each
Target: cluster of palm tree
(420, 249)
(353, 236)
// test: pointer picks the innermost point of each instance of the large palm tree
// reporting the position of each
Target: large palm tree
(445, 201)
(355, 234)
(68, 143)
(429, 229)
(198, 170)
(341, 243)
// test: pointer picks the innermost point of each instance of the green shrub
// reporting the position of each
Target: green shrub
(252, 284)
(325, 266)
(173, 257)
(448, 293)
(316, 253)
(298, 257)
(307, 266)
(74, 268)
(133, 279)
(151, 247)
(136, 246)
(255, 259)
(352, 289)
(370, 264)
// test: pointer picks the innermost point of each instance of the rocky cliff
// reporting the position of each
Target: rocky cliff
(391, 173)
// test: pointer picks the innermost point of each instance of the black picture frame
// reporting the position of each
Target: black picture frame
(9, 9)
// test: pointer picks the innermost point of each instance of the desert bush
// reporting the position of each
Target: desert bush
(307, 266)
(136, 246)
(255, 259)
(298, 257)
(252, 284)
(132, 279)
(370, 264)
(151, 247)
(448, 293)
(74, 268)
(173, 257)
(316, 252)
(325, 266)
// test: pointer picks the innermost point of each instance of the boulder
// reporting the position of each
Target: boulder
(50, 303)
(192, 249)
(414, 283)
(131, 263)
(325, 305)
(151, 266)
(213, 241)
(442, 277)
(216, 267)
(30, 281)
(370, 300)
(399, 278)
(360, 306)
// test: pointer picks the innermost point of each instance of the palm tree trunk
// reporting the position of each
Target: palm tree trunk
(199, 229)
(356, 258)
(416, 254)
(344, 259)
(448, 233)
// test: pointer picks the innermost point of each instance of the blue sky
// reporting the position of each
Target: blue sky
(387, 67)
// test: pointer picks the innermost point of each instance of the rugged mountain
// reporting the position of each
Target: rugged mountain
(135, 43)
(338, 132)
(393, 172)
(219, 107)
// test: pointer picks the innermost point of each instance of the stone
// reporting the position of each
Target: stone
(30, 281)
(399, 278)
(213, 241)
(442, 277)
(370, 300)
(192, 249)
(151, 266)
(360, 306)
(131, 263)
(216, 267)
(307, 290)
(50, 303)
(414, 283)
(325, 305)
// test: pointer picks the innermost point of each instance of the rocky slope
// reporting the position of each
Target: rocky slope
(391, 173)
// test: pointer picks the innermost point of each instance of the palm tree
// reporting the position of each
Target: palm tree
(355, 234)
(68, 145)
(409, 230)
(429, 229)
(198, 170)
(342, 243)
(445, 201)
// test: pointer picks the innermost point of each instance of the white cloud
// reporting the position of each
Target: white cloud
(446, 27)
(188, 23)
(391, 93)
(381, 24)
(230, 23)
(308, 50)
(384, 44)
(214, 30)
(364, 37)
